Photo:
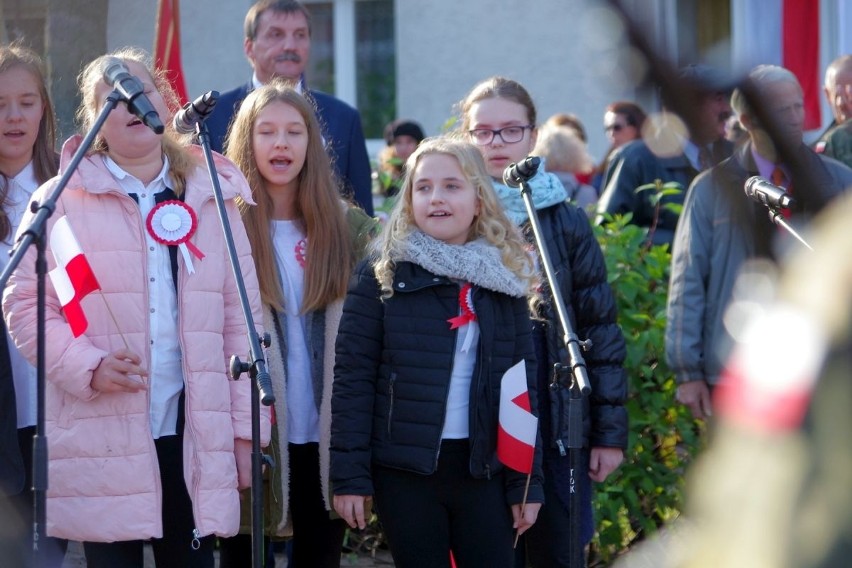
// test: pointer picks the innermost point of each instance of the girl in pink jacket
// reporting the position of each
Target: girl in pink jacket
(147, 437)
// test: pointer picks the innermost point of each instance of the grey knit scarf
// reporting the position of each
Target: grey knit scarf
(477, 262)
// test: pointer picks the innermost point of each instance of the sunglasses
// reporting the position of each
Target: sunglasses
(615, 127)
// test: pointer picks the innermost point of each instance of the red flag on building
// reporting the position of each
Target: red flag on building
(167, 46)
(73, 277)
(800, 44)
(518, 427)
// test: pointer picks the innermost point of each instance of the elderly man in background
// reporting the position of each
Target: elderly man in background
(836, 141)
(720, 228)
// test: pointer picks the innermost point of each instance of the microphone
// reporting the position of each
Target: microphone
(763, 191)
(515, 174)
(195, 112)
(130, 88)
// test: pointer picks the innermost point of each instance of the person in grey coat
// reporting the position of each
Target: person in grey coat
(720, 229)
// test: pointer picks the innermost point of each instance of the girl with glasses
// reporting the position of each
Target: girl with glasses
(496, 104)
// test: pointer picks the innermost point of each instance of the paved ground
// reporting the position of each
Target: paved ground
(74, 559)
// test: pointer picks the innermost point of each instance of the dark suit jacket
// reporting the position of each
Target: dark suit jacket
(341, 129)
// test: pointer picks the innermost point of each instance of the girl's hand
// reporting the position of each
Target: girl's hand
(114, 373)
(604, 461)
(242, 452)
(353, 509)
(526, 518)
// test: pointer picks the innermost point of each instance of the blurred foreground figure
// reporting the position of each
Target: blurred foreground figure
(773, 490)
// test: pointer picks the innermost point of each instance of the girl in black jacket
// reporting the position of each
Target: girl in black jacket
(429, 327)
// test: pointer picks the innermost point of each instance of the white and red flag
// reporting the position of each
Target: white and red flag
(516, 433)
(72, 278)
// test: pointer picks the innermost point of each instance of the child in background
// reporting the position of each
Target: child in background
(498, 115)
(148, 438)
(430, 325)
(27, 160)
(305, 241)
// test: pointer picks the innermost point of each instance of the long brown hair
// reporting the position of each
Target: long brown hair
(44, 157)
(181, 162)
(318, 206)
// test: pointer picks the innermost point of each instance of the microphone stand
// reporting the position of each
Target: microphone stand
(777, 217)
(35, 234)
(571, 378)
(262, 391)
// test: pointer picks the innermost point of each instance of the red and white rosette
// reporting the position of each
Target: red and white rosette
(173, 223)
(467, 316)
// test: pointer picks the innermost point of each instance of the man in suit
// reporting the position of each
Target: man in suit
(278, 44)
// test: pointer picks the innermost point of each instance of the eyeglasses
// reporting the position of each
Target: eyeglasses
(509, 134)
(615, 127)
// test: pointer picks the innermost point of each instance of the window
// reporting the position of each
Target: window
(353, 57)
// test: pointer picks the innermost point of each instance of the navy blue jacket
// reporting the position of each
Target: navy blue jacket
(582, 282)
(341, 129)
(392, 376)
(634, 165)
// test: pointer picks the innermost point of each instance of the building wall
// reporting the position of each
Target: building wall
(211, 39)
(563, 51)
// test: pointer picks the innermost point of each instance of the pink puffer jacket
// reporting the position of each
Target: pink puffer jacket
(104, 483)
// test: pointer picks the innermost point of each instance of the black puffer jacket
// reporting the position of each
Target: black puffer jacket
(581, 275)
(392, 375)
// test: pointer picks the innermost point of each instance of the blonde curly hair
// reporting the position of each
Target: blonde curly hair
(490, 224)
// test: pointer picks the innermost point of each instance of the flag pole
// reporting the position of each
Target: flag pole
(115, 321)
(523, 505)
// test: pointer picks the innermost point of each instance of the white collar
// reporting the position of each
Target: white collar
(119, 173)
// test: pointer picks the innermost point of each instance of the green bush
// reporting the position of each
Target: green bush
(647, 490)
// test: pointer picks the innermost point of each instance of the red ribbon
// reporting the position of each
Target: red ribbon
(466, 305)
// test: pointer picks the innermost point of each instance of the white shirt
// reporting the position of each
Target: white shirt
(165, 380)
(302, 414)
(21, 188)
(457, 418)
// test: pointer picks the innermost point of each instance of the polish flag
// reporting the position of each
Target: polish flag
(167, 46)
(516, 434)
(72, 278)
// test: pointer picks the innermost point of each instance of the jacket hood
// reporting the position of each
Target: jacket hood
(90, 175)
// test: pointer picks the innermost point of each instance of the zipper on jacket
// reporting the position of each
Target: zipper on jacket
(390, 404)
(196, 539)
(158, 481)
(474, 405)
(446, 400)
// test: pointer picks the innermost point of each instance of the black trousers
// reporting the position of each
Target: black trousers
(175, 549)
(317, 538)
(426, 516)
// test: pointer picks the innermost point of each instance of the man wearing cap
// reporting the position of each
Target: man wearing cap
(402, 137)
(278, 44)
(635, 164)
(721, 228)
(836, 141)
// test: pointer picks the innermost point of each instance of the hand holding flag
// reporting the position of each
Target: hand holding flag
(516, 435)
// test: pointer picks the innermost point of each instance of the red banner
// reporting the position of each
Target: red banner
(800, 35)
(167, 46)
